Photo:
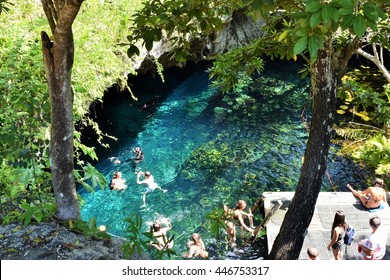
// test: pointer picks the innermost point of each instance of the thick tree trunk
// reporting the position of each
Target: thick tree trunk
(58, 59)
(289, 241)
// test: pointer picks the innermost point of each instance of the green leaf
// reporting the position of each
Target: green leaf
(340, 112)
(301, 32)
(334, 14)
(326, 13)
(347, 21)
(346, 11)
(300, 45)
(348, 4)
(313, 46)
(92, 224)
(95, 176)
(27, 217)
(315, 19)
(132, 50)
(38, 215)
(157, 34)
(283, 35)
(313, 7)
(359, 25)
(370, 11)
(149, 45)
(19, 114)
(372, 24)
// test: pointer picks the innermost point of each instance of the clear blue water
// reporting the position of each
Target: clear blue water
(207, 150)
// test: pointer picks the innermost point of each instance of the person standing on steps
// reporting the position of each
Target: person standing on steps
(238, 216)
(196, 248)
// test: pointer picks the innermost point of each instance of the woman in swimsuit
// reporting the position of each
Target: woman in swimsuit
(372, 196)
(339, 228)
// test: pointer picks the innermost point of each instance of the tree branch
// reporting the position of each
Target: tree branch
(51, 14)
(375, 59)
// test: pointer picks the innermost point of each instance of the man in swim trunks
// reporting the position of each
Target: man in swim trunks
(151, 185)
(372, 196)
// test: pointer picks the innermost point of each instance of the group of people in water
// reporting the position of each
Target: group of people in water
(371, 198)
(196, 248)
(143, 178)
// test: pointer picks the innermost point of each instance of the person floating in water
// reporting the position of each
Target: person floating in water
(151, 185)
(114, 160)
(372, 197)
(147, 106)
(117, 182)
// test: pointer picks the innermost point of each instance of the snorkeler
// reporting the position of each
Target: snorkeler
(139, 156)
(114, 160)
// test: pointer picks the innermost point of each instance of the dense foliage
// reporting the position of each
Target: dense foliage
(99, 63)
(365, 120)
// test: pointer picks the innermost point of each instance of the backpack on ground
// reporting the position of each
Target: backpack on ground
(350, 235)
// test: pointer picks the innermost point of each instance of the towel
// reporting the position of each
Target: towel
(372, 210)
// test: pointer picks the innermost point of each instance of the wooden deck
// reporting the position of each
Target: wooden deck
(318, 234)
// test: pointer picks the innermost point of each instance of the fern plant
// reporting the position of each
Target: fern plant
(376, 153)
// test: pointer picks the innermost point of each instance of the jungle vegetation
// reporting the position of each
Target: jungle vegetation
(99, 62)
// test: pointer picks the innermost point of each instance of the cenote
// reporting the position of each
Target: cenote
(206, 149)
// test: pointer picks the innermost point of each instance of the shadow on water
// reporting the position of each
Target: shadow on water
(207, 149)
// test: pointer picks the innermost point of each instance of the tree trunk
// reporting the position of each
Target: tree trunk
(289, 241)
(58, 59)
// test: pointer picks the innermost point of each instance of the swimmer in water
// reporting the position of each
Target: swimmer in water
(151, 185)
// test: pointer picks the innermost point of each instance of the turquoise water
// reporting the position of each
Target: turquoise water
(205, 149)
